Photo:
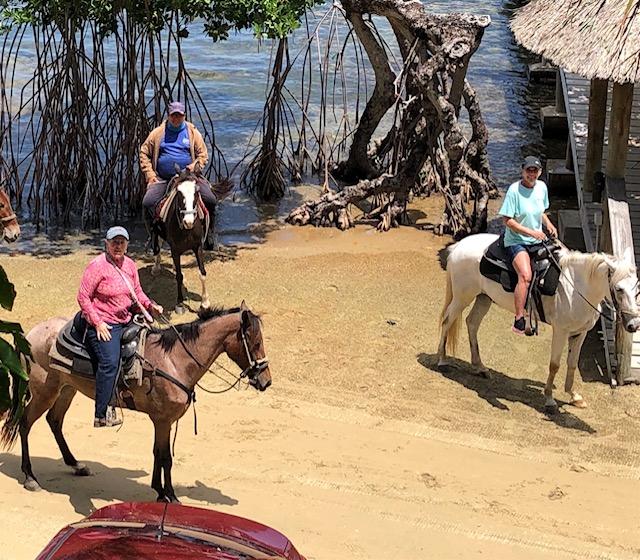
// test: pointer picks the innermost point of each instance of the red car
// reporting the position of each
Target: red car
(167, 531)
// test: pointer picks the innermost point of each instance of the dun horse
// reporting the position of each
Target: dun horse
(586, 279)
(184, 228)
(9, 227)
(178, 358)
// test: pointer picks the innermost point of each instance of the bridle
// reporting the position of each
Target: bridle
(182, 213)
(255, 367)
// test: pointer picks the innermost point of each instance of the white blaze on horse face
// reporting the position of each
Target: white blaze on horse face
(188, 191)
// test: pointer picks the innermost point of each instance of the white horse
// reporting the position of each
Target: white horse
(586, 279)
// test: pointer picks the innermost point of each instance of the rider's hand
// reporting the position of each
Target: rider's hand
(537, 234)
(153, 180)
(553, 232)
(156, 309)
(102, 330)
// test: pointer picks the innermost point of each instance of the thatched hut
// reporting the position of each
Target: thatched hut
(600, 40)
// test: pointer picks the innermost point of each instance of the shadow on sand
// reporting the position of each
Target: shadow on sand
(106, 483)
(502, 388)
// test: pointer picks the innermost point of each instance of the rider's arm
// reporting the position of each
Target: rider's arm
(199, 149)
(88, 284)
(519, 228)
(146, 159)
(546, 222)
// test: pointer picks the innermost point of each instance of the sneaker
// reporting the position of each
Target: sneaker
(518, 326)
(108, 422)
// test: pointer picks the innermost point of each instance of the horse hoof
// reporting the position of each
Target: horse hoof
(205, 304)
(482, 372)
(579, 403)
(32, 485)
(82, 470)
(551, 409)
(163, 499)
(179, 310)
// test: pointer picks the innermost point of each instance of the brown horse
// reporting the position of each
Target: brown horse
(178, 358)
(184, 229)
(9, 227)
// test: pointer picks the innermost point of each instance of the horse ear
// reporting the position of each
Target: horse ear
(244, 306)
(245, 319)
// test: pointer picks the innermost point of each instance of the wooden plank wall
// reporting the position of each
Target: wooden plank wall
(576, 96)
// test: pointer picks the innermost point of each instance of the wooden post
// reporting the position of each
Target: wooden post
(619, 124)
(595, 140)
(616, 208)
(559, 94)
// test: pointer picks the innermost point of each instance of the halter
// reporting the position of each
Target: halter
(256, 367)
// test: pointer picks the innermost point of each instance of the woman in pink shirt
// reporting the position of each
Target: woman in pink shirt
(110, 287)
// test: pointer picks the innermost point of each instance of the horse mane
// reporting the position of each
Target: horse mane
(189, 332)
(592, 261)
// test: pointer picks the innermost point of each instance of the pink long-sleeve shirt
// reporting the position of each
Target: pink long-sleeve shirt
(103, 294)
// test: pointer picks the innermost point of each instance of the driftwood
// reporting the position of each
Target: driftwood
(425, 149)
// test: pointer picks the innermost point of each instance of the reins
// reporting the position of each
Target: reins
(555, 261)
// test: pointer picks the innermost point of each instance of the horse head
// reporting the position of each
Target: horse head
(9, 227)
(187, 187)
(623, 284)
(246, 348)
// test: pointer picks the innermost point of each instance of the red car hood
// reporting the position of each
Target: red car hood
(131, 530)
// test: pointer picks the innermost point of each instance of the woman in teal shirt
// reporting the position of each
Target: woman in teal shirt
(524, 216)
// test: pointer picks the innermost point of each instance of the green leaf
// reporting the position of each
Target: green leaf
(7, 291)
(5, 390)
(8, 327)
(10, 359)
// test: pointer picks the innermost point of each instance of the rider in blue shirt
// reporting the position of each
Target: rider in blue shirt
(523, 211)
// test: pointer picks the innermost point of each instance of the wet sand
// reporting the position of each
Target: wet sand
(360, 449)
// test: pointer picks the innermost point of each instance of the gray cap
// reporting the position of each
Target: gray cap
(115, 231)
(531, 161)
(175, 107)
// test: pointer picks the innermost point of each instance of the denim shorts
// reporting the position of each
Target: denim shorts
(513, 250)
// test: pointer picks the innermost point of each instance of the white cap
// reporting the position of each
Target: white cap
(115, 231)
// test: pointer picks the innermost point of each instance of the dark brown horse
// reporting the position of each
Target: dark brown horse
(9, 227)
(184, 229)
(178, 357)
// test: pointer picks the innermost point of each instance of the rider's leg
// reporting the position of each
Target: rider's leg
(107, 353)
(155, 193)
(522, 264)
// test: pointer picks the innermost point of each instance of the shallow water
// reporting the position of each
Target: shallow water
(231, 78)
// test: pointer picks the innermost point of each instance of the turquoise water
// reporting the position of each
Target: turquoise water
(231, 77)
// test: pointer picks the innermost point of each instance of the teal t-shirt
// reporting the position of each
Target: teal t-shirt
(526, 207)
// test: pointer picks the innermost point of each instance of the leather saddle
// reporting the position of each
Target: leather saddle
(70, 346)
(495, 265)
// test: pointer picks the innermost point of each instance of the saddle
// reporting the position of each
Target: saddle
(495, 265)
(70, 355)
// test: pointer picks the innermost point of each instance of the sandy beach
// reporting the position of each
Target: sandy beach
(361, 449)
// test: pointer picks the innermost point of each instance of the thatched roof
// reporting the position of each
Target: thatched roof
(593, 38)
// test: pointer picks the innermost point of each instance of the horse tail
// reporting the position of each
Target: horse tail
(454, 328)
(222, 188)
(18, 396)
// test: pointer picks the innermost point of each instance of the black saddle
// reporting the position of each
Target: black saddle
(70, 343)
(496, 266)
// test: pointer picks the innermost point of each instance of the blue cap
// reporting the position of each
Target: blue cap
(115, 231)
(175, 107)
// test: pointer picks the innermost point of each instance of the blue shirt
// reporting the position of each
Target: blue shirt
(174, 149)
(526, 206)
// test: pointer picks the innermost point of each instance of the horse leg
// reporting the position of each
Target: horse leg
(162, 464)
(478, 311)
(450, 325)
(557, 344)
(179, 278)
(55, 418)
(37, 406)
(575, 345)
(203, 277)
(155, 241)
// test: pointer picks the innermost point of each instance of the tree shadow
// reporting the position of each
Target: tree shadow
(501, 388)
(106, 483)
